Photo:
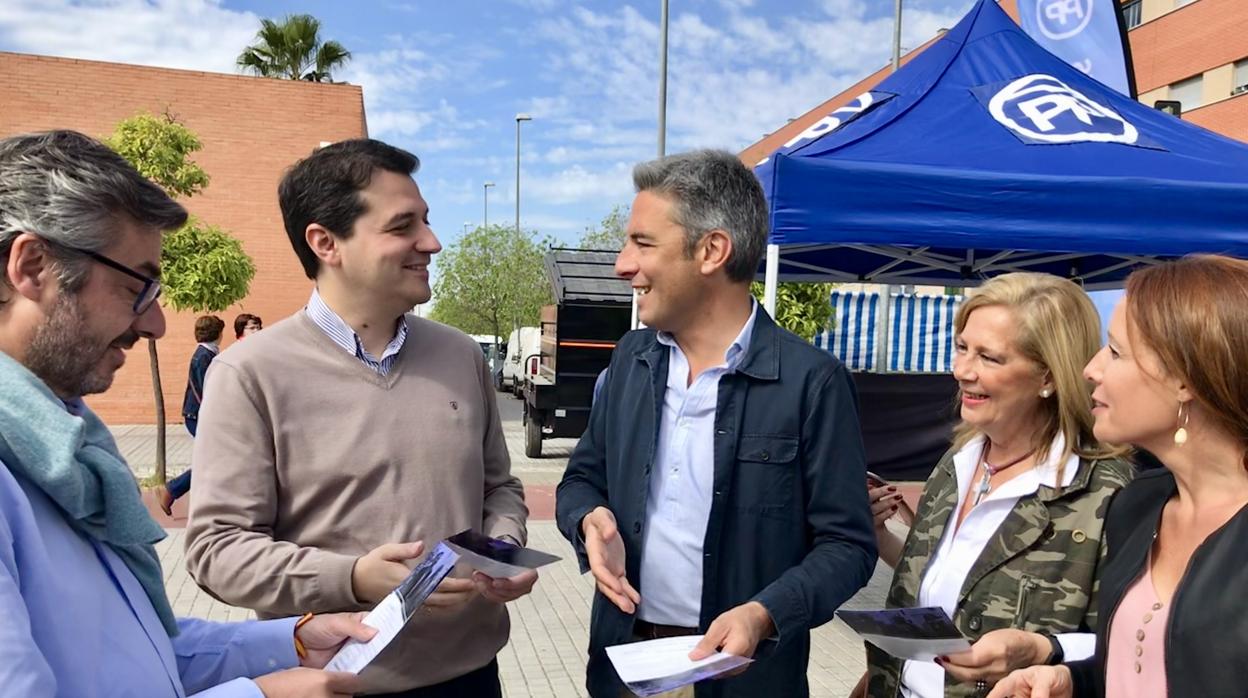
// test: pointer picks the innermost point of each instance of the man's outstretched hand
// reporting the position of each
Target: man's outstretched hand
(605, 550)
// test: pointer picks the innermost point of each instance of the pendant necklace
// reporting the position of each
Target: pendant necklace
(990, 470)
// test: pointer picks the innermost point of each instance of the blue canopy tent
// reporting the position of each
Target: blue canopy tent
(987, 154)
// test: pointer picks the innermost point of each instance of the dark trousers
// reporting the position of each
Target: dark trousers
(482, 683)
(180, 485)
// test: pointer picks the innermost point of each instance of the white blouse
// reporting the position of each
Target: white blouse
(959, 550)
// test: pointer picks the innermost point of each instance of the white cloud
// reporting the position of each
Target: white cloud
(191, 34)
(609, 184)
(568, 230)
(402, 88)
(731, 78)
(537, 5)
(390, 71)
(852, 9)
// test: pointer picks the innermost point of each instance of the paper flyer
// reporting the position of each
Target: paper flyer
(395, 610)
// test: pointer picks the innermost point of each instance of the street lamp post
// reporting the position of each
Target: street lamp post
(485, 215)
(519, 118)
(662, 82)
(896, 35)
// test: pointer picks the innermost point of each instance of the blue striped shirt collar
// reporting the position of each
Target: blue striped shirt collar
(341, 333)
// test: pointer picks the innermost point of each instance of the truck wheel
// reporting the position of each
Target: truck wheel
(532, 436)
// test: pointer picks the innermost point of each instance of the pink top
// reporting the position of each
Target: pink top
(1136, 655)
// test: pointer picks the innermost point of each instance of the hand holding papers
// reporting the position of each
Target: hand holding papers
(496, 558)
(662, 665)
(921, 634)
(395, 610)
(490, 556)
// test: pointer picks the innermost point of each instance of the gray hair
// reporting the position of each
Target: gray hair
(712, 190)
(70, 190)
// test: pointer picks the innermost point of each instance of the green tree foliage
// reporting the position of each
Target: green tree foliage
(293, 49)
(491, 280)
(608, 235)
(203, 269)
(161, 148)
(805, 309)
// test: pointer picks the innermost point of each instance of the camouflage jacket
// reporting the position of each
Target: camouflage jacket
(1038, 573)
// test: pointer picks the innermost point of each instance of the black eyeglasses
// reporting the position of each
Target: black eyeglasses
(151, 287)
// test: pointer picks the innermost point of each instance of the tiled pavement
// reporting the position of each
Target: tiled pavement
(546, 655)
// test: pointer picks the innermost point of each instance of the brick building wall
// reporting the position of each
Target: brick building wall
(252, 130)
(1202, 38)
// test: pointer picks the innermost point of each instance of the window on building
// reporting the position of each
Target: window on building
(1239, 83)
(1132, 14)
(1189, 92)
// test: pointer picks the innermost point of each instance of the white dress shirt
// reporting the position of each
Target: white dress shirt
(960, 548)
(681, 486)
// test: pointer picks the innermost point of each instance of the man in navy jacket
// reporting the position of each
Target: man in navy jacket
(718, 489)
(208, 329)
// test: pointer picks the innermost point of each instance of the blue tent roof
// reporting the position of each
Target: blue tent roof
(987, 154)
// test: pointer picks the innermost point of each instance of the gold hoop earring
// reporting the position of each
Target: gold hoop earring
(1180, 434)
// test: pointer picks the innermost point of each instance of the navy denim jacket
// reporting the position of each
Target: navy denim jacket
(789, 526)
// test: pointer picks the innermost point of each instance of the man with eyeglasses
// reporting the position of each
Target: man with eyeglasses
(82, 594)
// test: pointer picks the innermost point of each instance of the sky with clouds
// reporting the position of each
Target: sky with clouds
(446, 79)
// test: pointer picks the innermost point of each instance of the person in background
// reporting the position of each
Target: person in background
(1008, 533)
(1172, 379)
(82, 595)
(208, 329)
(246, 324)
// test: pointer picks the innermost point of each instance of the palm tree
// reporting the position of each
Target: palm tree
(293, 50)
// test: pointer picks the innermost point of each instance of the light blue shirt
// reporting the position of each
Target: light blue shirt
(341, 333)
(75, 623)
(681, 486)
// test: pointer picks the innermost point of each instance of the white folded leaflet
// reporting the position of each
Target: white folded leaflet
(919, 634)
(395, 610)
(496, 558)
(657, 666)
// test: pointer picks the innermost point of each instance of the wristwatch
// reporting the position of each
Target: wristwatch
(1056, 655)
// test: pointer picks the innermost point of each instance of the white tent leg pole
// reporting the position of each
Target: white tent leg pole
(771, 280)
(633, 323)
(884, 329)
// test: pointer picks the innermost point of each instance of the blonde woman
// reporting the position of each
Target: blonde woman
(1007, 533)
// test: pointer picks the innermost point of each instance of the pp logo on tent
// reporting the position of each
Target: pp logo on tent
(1062, 19)
(1043, 109)
(862, 104)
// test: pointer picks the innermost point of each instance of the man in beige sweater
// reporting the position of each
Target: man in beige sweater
(342, 437)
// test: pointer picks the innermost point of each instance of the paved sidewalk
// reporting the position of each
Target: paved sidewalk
(549, 633)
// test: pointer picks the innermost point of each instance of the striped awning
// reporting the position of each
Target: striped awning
(920, 332)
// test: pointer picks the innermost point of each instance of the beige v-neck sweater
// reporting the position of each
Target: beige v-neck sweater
(306, 459)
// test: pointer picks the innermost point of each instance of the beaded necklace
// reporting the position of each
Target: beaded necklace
(990, 470)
